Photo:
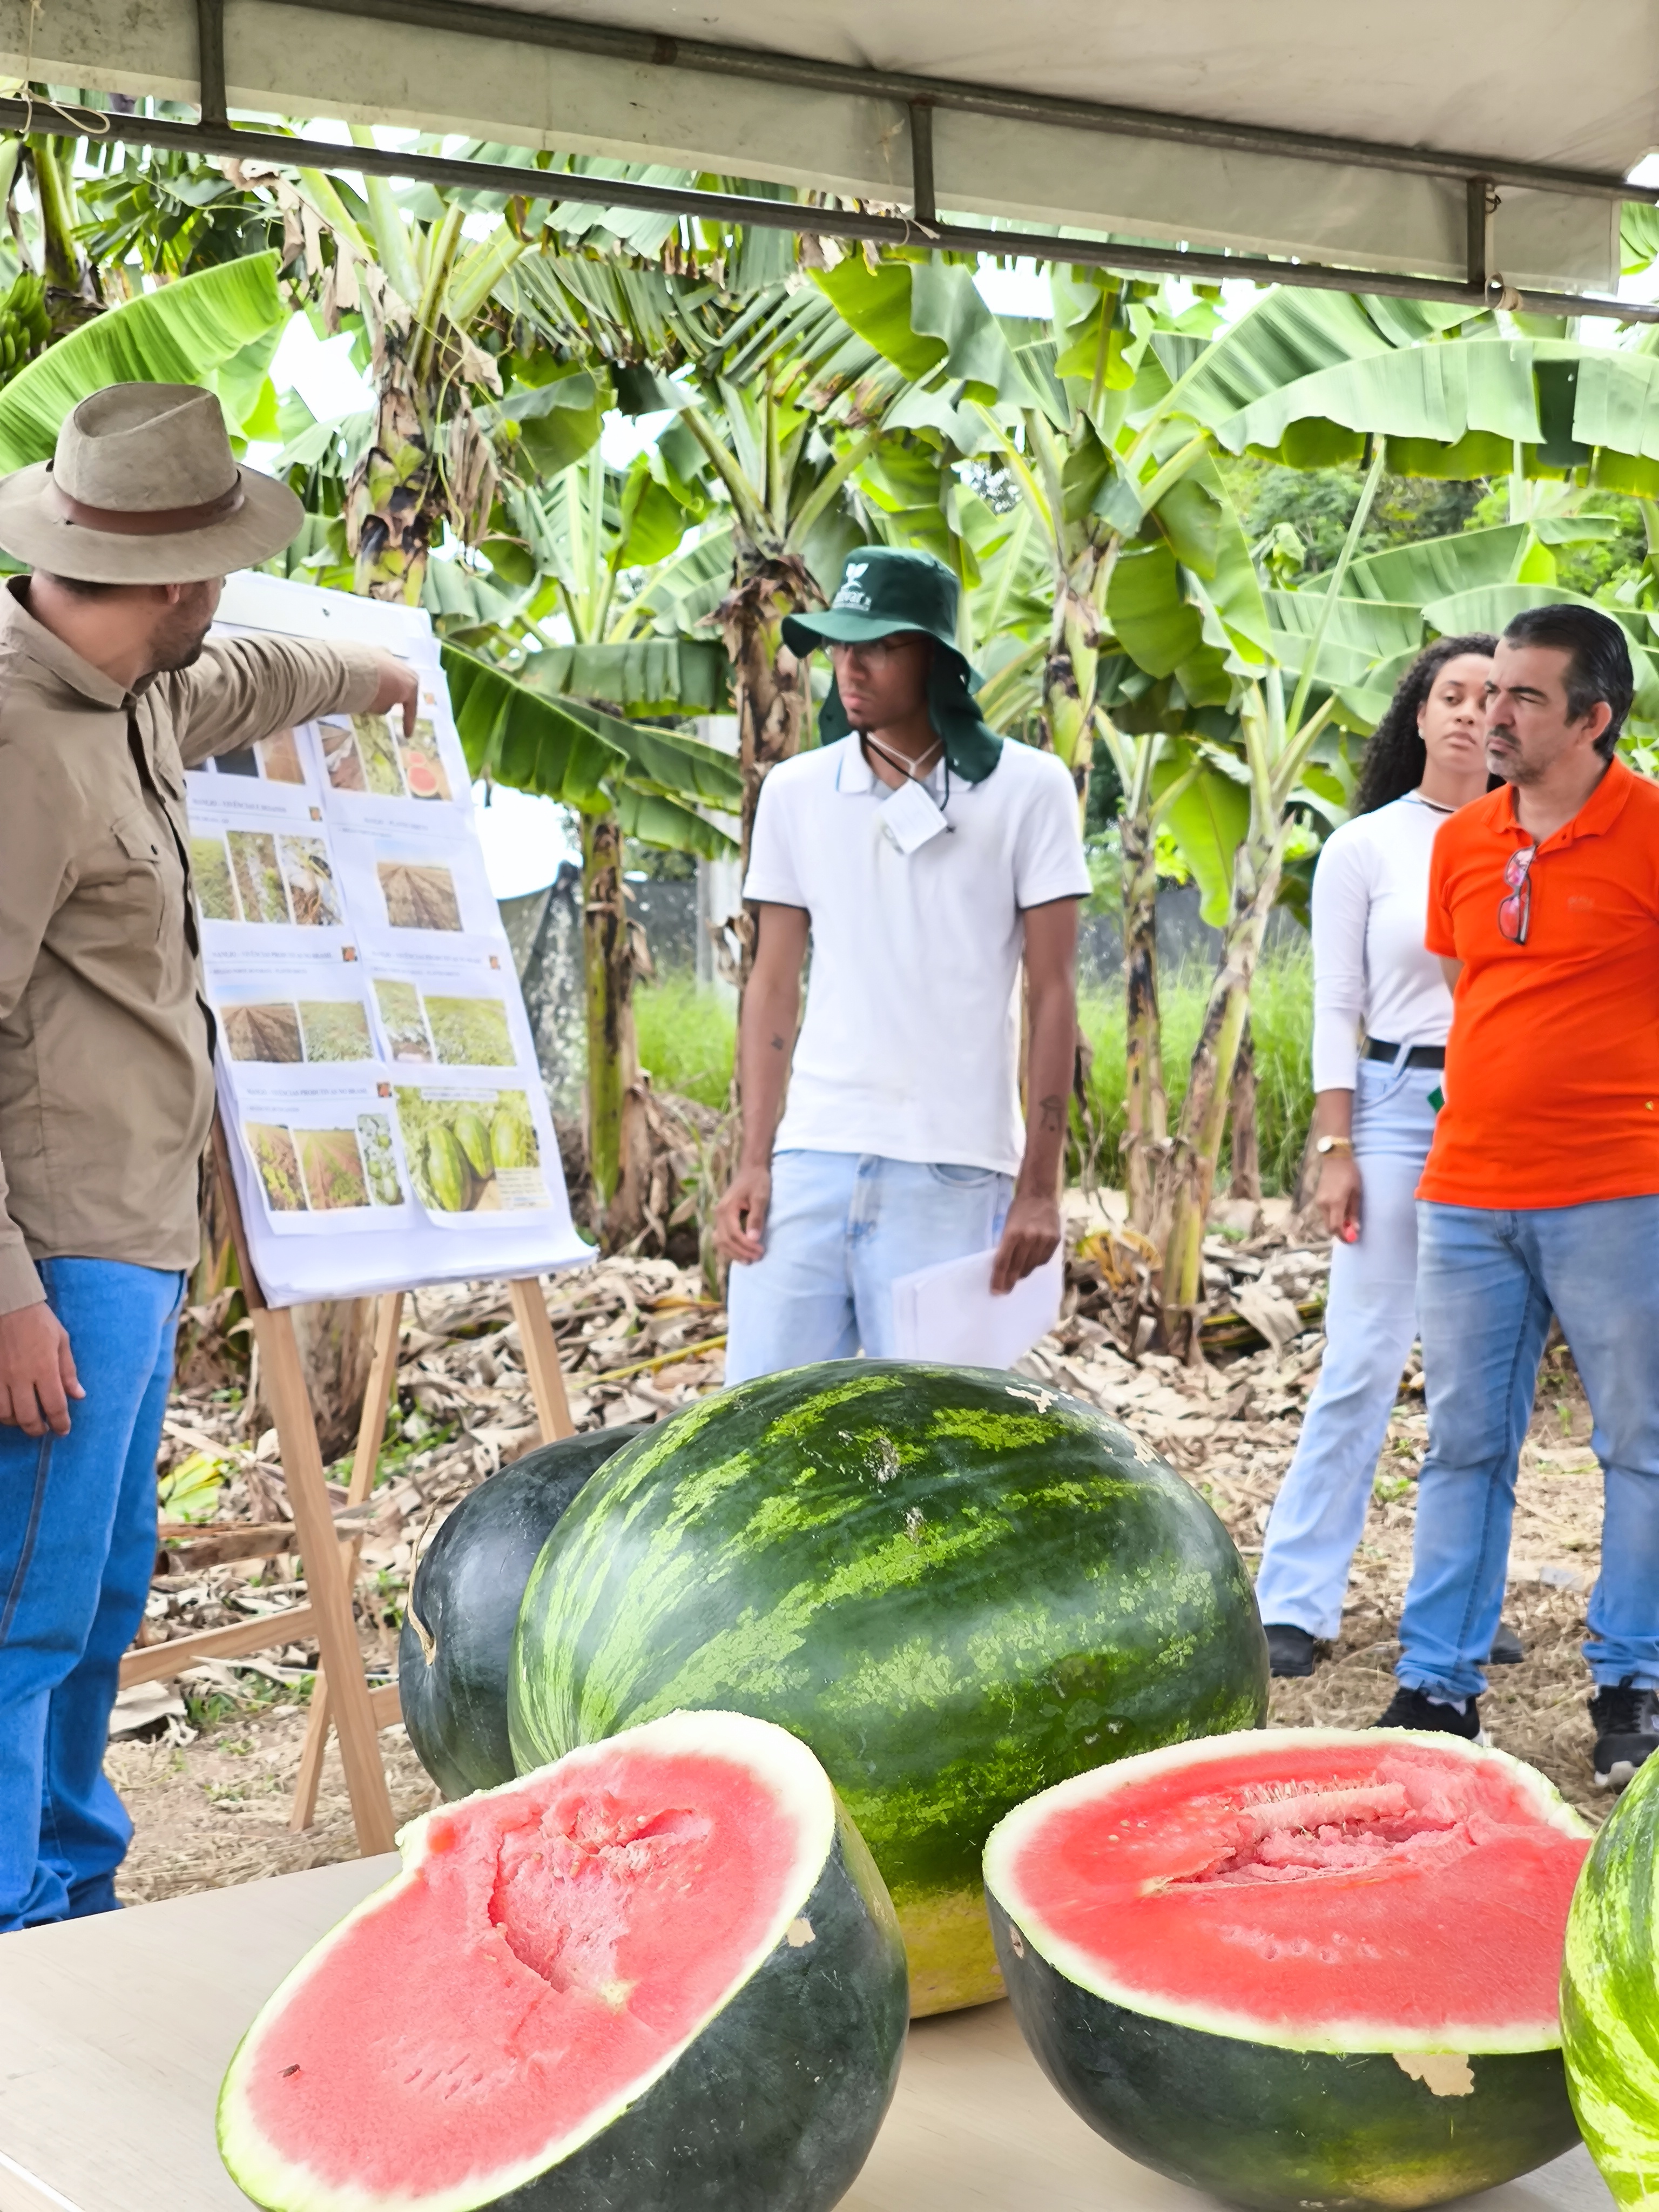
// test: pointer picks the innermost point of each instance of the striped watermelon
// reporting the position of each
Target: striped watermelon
(1306, 1970)
(1610, 1995)
(957, 1587)
(661, 1975)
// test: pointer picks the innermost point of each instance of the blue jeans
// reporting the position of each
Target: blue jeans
(1487, 1283)
(77, 1547)
(841, 1229)
(1370, 1319)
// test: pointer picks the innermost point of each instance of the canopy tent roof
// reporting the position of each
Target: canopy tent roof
(1331, 131)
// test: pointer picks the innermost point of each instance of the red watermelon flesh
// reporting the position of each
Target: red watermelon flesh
(548, 1951)
(1308, 1888)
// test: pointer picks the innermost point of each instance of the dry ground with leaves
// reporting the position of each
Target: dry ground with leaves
(210, 1784)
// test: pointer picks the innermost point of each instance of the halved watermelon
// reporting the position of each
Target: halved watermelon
(1299, 1967)
(663, 1972)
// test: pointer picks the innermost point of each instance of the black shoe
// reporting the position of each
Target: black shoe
(1627, 1724)
(1415, 1708)
(1507, 1648)
(1289, 1651)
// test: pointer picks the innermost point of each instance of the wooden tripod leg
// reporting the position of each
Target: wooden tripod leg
(382, 1379)
(541, 1358)
(330, 1595)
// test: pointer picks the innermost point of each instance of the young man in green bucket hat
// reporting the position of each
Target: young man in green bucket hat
(928, 859)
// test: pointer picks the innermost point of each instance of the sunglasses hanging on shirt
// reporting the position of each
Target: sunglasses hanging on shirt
(1515, 907)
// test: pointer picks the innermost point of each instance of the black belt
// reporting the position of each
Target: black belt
(1420, 1055)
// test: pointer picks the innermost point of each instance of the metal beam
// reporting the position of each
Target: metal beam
(924, 199)
(1481, 208)
(211, 60)
(655, 50)
(512, 182)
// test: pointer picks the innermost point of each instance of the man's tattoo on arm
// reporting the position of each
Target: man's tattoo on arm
(777, 1044)
(1051, 1113)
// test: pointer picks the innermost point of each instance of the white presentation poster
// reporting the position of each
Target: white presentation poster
(376, 1072)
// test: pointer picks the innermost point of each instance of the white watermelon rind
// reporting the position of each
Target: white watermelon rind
(787, 1768)
(1006, 1840)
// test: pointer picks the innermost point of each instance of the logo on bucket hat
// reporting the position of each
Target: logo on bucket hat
(852, 596)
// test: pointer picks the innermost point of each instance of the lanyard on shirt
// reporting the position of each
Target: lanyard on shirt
(912, 816)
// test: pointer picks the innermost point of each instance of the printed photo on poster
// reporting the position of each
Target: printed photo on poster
(275, 759)
(444, 1028)
(369, 756)
(408, 1039)
(267, 1032)
(349, 1165)
(471, 1152)
(266, 877)
(418, 892)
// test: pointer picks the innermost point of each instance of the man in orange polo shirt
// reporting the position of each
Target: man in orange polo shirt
(1541, 1191)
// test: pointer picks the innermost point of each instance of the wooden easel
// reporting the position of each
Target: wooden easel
(341, 1697)
(541, 1360)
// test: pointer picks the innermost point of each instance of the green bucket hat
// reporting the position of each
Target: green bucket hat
(883, 590)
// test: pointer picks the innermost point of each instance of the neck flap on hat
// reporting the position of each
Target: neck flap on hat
(972, 747)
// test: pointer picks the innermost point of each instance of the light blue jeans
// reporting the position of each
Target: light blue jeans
(841, 1229)
(77, 1548)
(1487, 1283)
(1370, 1319)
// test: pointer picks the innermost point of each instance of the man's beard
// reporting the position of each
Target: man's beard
(181, 651)
(1509, 767)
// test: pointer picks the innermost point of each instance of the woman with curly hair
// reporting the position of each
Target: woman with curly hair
(1382, 1012)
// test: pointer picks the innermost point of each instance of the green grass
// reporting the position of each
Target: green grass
(1281, 1013)
(686, 1038)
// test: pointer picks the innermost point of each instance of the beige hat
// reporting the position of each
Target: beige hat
(145, 490)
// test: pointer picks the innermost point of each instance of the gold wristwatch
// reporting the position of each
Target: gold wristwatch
(1326, 1146)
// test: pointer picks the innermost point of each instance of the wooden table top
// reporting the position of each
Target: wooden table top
(114, 2033)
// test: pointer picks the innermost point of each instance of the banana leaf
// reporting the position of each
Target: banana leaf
(928, 317)
(184, 333)
(1374, 628)
(1148, 611)
(1289, 337)
(655, 819)
(1208, 822)
(643, 676)
(459, 600)
(1460, 409)
(1409, 576)
(527, 742)
(666, 761)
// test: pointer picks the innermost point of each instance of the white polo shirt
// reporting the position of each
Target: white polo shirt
(910, 1046)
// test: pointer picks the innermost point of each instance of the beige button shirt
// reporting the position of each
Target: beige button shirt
(106, 1083)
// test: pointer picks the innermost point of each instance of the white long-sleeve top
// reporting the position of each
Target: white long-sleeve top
(1371, 899)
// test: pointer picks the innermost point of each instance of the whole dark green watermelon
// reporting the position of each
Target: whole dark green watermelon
(457, 1626)
(957, 1587)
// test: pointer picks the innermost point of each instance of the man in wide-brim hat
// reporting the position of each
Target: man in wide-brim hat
(107, 694)
(931, 863)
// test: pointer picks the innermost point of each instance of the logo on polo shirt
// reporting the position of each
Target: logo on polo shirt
(852, 595)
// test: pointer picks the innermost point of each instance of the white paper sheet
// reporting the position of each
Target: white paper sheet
(949, 1313)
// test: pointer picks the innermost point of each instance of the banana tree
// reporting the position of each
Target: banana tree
(1276, 742)
(625, 778)
(588, 536)
(782, 483)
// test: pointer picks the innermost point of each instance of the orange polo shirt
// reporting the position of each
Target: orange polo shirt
(1552, 1076)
